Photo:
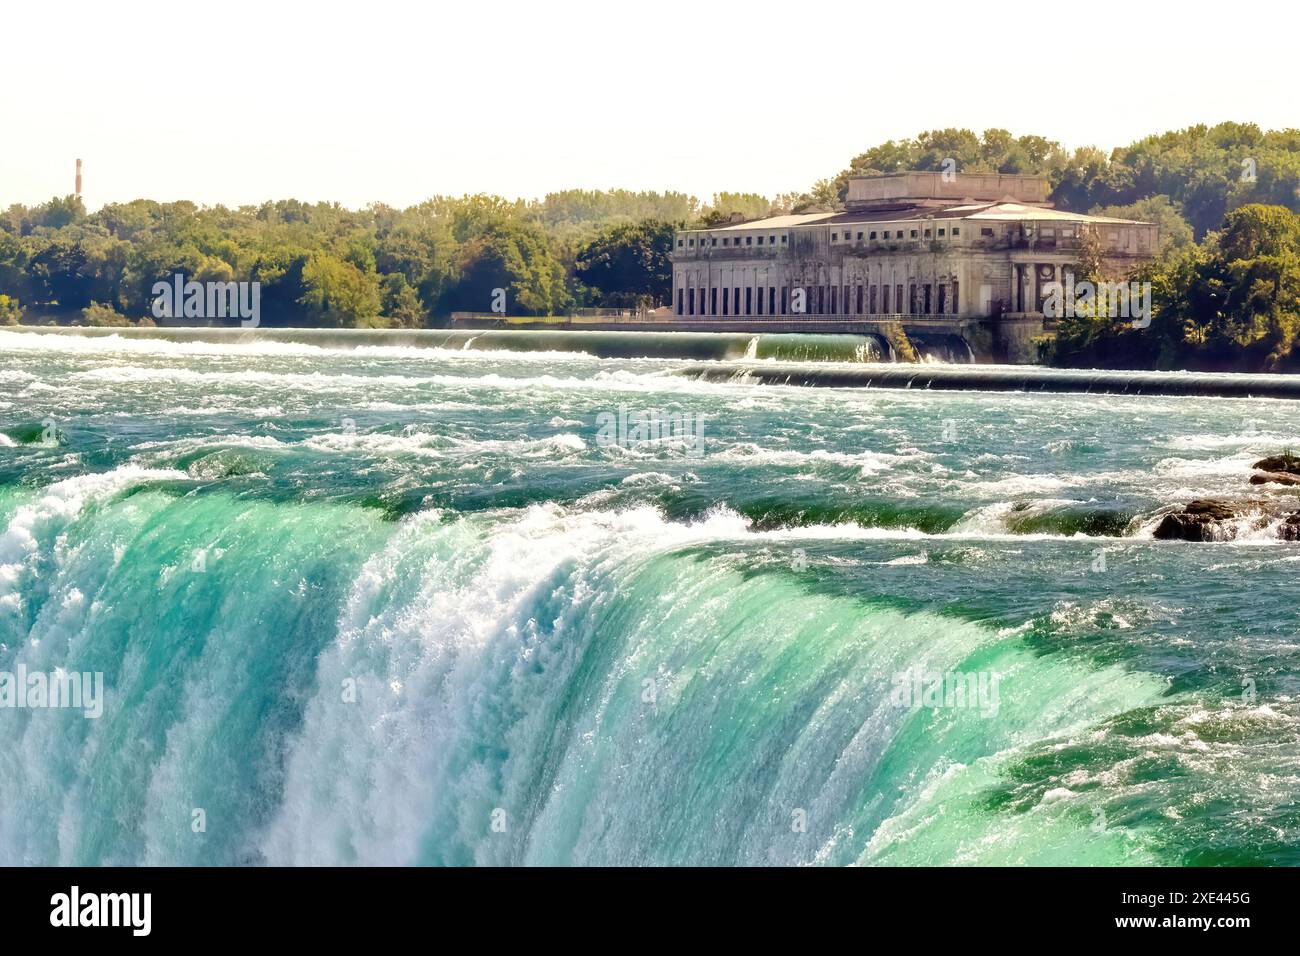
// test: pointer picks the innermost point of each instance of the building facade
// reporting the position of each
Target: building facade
(920, 244)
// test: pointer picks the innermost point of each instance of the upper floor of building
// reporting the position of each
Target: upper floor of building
(919, 212)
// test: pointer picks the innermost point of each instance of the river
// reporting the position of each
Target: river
(395, 605)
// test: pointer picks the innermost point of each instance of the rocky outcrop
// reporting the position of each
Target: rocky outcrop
(1218, 519)
(1274, 478)
(1201, 520)
(1285, 463)
(1283, 469)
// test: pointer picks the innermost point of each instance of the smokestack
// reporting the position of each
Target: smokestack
(78, 179)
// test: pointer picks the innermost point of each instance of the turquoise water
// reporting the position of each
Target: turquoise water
(397, 605)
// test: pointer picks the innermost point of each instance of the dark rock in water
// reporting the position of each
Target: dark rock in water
(1274, 478)
(1285, 463)
(1289, 530)
(1199, 521)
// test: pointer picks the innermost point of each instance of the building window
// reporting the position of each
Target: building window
(956, 231)
(771, 240)
(834, 308)
(927, 234)
(726, 242)
(680, 310)
(873, 300)
(725, 297)
(872, 236)
(859, 237)
(760, 240)
(898, 297)
(783, 239)
(834, 236)
(749, 240)
(713, 241)
(784, 294)
(985, 231)
(943, 298)
(713, 302)
(942, 231)
(735, 300)
(884, 300)
(690, 302)
(680, 243)
(900, 234)
(749, 301)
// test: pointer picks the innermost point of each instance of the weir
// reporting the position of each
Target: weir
(701, 346)
(833, 361)
(1009, 379)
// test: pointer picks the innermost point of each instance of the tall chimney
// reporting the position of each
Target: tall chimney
(78, 178)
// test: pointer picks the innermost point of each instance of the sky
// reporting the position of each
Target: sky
(393, 102)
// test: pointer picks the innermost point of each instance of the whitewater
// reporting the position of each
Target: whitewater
(395, 605)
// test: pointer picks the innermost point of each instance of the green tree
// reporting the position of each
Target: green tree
(401, 304)
(515, 258)
(99, 314)
(1231, 302)
(338, 294)
(630, 264)
(727, 205)
(11, 312)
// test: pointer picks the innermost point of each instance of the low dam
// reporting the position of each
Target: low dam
(1006, 378)
(702, 346)
(825, 360)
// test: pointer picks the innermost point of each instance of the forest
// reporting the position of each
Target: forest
(1226, 286)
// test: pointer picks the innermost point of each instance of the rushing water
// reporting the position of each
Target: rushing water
(396, 605)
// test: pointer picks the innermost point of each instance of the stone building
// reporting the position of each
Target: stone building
(920, 247)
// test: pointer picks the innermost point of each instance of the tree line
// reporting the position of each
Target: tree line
(323, 265)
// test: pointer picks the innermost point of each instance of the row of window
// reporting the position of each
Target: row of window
(923, 298)
(898, 234)
(874, 234)
(727, 241)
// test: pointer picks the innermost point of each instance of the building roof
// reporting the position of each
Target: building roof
(1016, 211)
(1001, 211)
(776, 222)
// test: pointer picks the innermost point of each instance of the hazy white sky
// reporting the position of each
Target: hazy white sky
(239, 102)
